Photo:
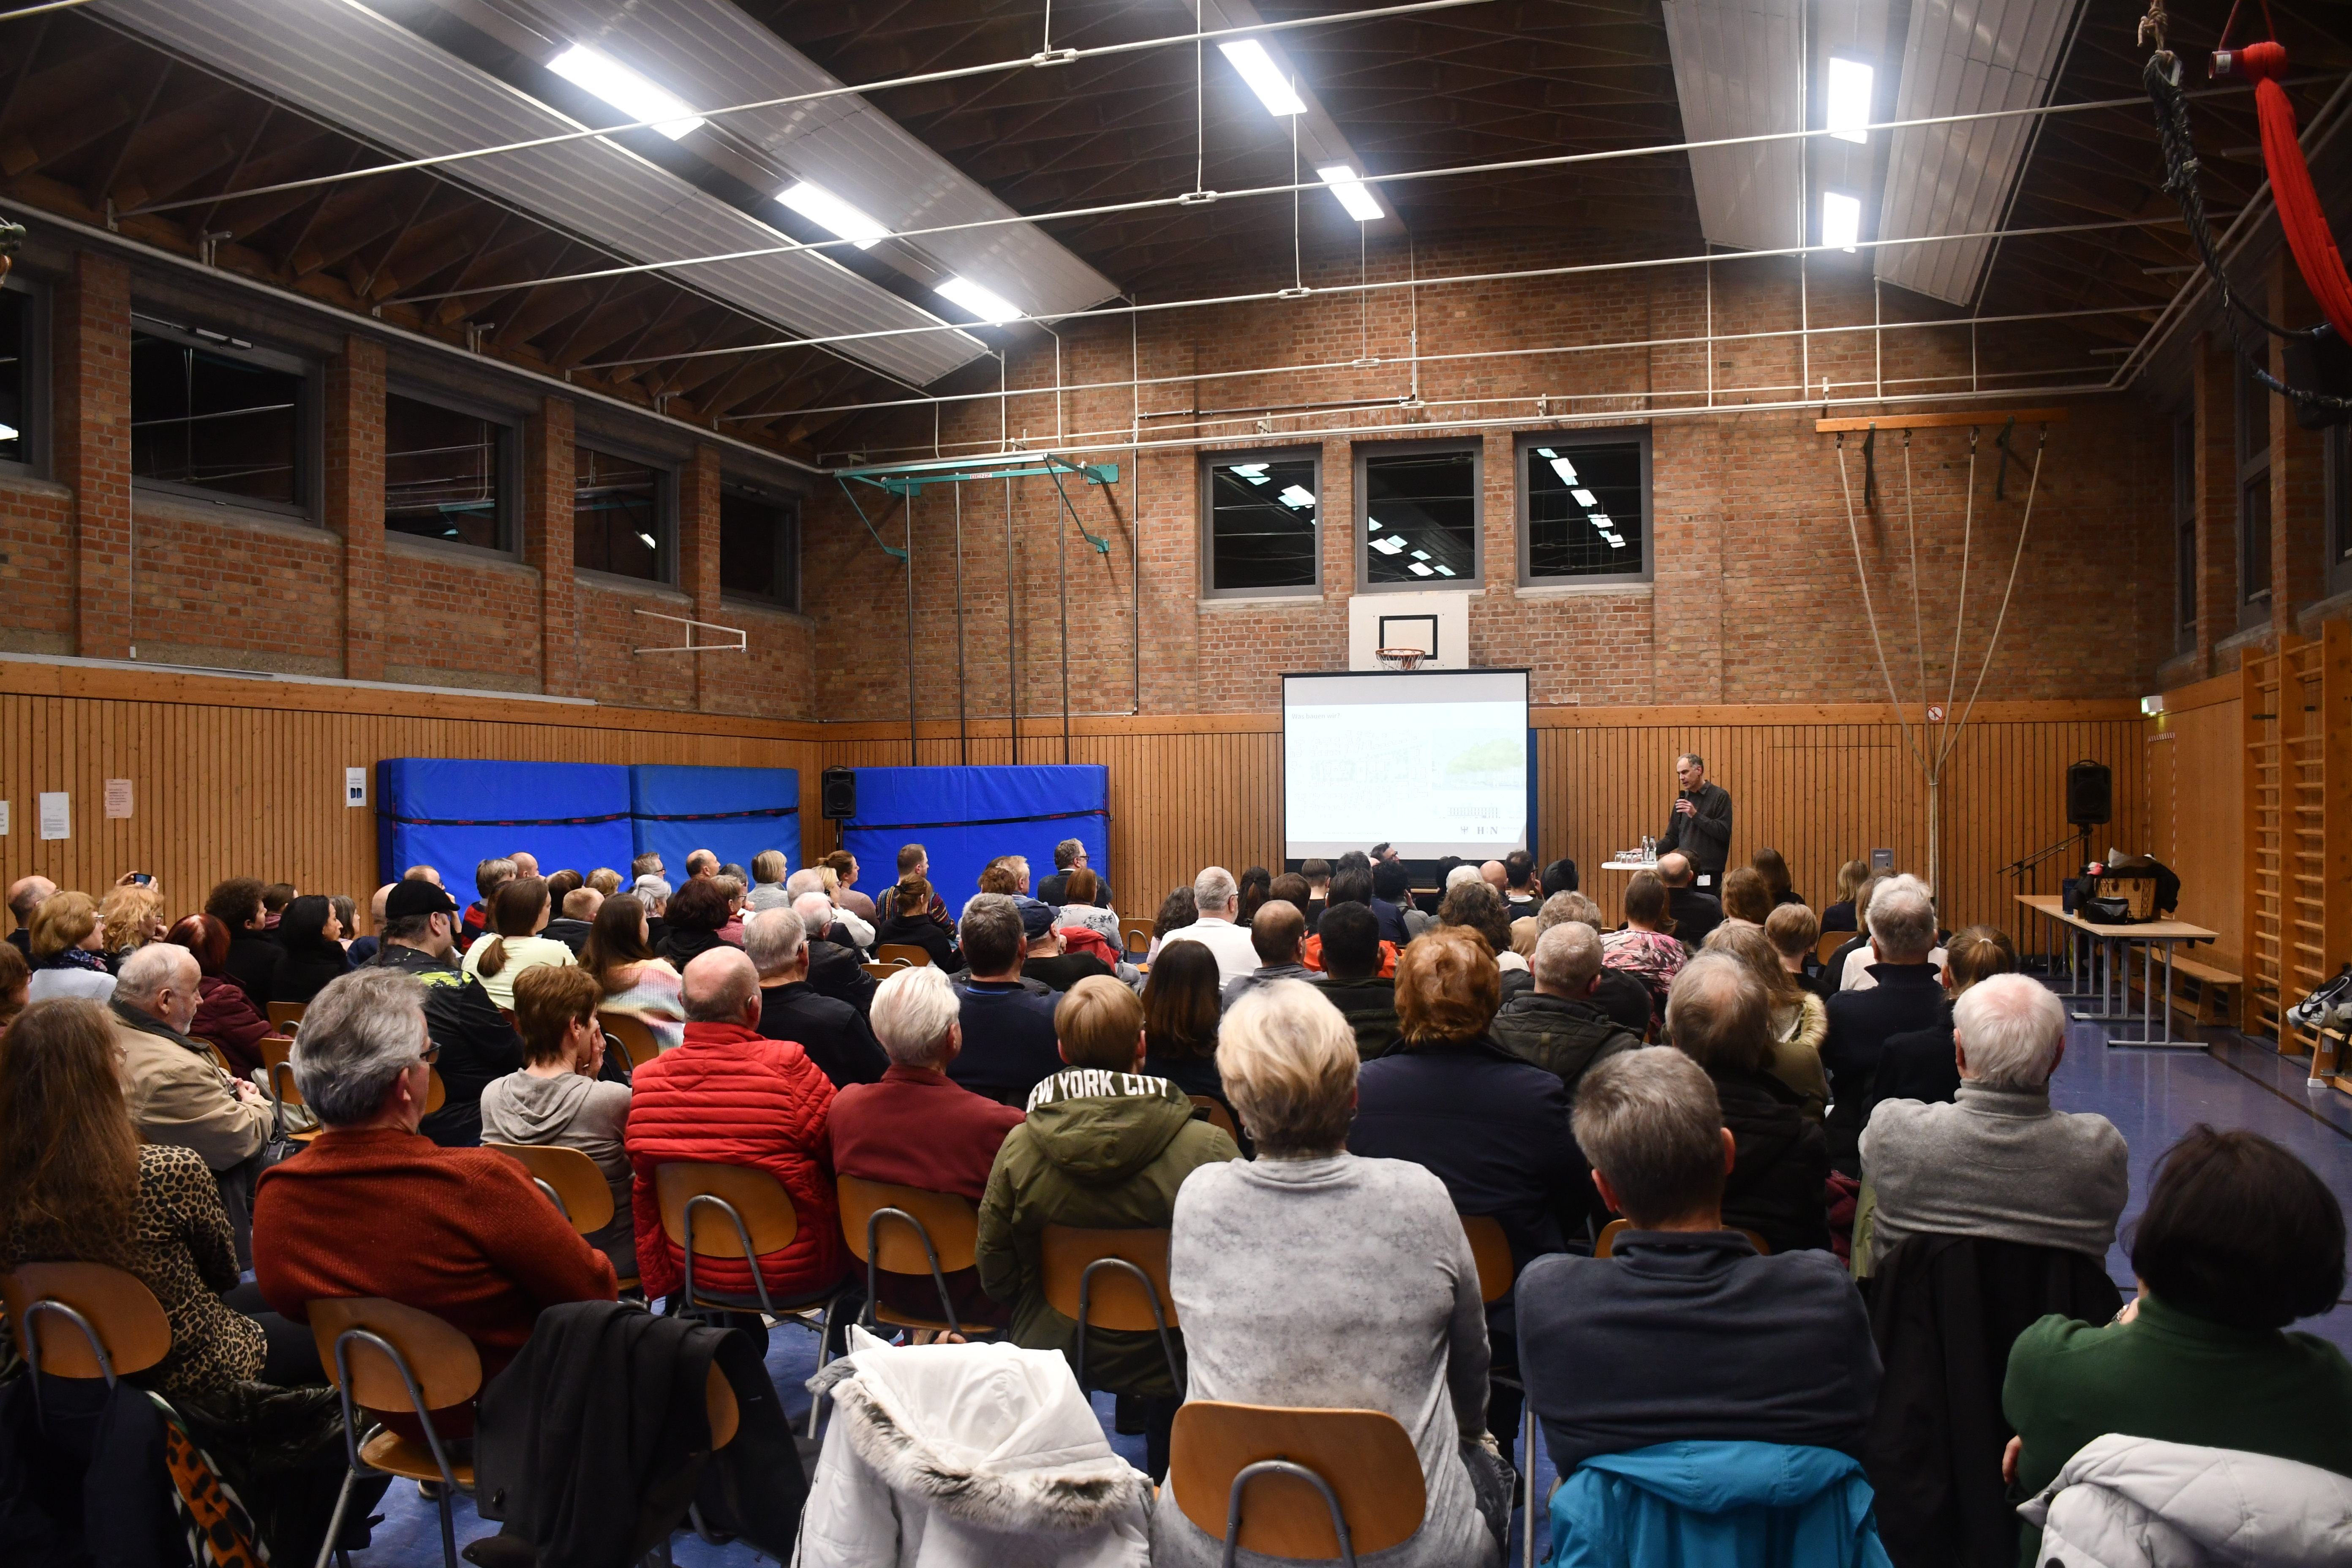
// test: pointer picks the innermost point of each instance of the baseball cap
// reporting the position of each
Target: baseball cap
(417, 898)
(1036, 919)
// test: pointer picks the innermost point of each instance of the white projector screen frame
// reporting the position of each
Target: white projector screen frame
(1411, 779)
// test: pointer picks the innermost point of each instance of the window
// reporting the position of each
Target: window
(618, 522)
(212, 413)
(15, 376)
(2253, 498)
(445, 475)
(759, 547)
(2184, 531)
(1420, 512)
(1584, 505)
(1263, 528)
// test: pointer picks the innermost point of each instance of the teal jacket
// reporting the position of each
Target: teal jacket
(1716, 1505)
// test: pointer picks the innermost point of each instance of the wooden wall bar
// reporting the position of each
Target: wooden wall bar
(238, 776)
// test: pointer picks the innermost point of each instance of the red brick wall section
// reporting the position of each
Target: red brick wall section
(354, 403)
(93, 400)
(460, 620)
(37, 568)
(238, 589)
(547, 491)
(697, 569)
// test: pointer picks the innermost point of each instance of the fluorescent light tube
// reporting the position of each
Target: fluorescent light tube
(624, 89)
(1252, 469)
(1353, 193)
(1841, 220)
(1599, 520)
(1418, 569)
(1849, 100)
(8, 432)
(1546, 452)
(1565, 469)
(991, 307)
(831, 213)
(1420, 555)
(1585, 498)
(1298, 496)
(649, 542)
(1265, 77)
(1392, 545)
(1445, 571)
(1372, 524)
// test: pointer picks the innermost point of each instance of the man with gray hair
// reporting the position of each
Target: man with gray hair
(1854, 973)
(1617, 993)
(1218, 898)
(1700, 826)
(1998, 1162)
(1684, 1333)
(1069, 855)
(175, 1091)
(1560, 1025)
(834, 968)
(1909, 994)
(25, 895)
(372, 1209)
(1719, 1015)
(810, 879)
(1009, 1042)
(830, 1031)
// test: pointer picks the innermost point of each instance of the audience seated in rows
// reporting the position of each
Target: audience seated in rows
(361, 950)
(1070, 855)
(1253, 887)
(371, 1208)
(1084, 901)
(1557, 1024)
(309, 934)
(25, 895)
(489, 875)
(1684, 1333)
(1176, 910)
(1697, 912)
(576, 921)
(729, 1095)
(1102, 1147)
(1908, 995)
(833, 966)
(2238, 1239)
(855, 930)
(833, 1033)
(633, 980)
(1720, 1016)
(1216, 899)
(1795, 934)
(1392, 903)
(224, 1014)
(1008, 1026)
(1180, 1009)
(1796, 1018)
(253, 958)
(1646, 947)
(1359, 972)
(1773, 867)
(1314, 1276)
(1047, 957)
(1522, 892)
(1491, 1126)
(66, 960)
(910, 914)
(476, 1045)
(1919, 1065)
(694, 914)
(1351, 885)
(1618, 991)
(769, 870)
(175, 1093)
(1474, 905)
(918, 1127)
(844, 869)
(1746, 900)
(129, 916)
(519, 913)
(1276, 934)
(1998, 1160)
(1839, 914)
(559, 1096)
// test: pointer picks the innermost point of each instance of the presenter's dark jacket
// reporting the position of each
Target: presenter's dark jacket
(479, 1047)
(1705, 837)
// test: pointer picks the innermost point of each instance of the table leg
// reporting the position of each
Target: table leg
(2167, 992)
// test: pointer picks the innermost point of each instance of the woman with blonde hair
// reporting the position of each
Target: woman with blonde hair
(62, 937)
(1317, 1278)
(769, 870)
(1800, 1020)
(128, 918)
(1840, 915)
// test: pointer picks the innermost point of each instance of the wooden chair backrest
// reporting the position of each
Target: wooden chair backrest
(284, 1013)
(282, 1084)
(951, 1220)
(1115, 1301)
(1605, 1246)
(878, 971)
(718, 1403)
(903, 952)
(1364, 1456)
(767, 1209)
(128, 1318)
(1492, 1250)
(1136, 935)
(212, 1048)
(1219, 1117)
(275, 1049)
(437, 1093)
(587, 1197)
(448, 1369)
(1830, 941)
(636, 1040)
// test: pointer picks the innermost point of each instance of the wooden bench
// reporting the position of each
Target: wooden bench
(2215, 985)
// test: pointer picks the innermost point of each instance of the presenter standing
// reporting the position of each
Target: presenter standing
(1701, 824)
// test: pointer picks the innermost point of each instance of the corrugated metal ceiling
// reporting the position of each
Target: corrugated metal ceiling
(1738, 72)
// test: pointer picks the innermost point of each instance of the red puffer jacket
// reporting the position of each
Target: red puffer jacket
(730, 1096)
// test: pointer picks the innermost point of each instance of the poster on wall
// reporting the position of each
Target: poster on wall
(117, 798)
(56, 815)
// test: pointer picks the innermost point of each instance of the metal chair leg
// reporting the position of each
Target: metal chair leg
(1527, 1479)
(335, 1524)
(448, 1531)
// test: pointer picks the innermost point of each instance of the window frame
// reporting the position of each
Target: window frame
(788, 547)
(1363, 454)
(309, 443)
(34, 433)
(1585, 435)
(510, 465)
(666, 471)
(1211, 461)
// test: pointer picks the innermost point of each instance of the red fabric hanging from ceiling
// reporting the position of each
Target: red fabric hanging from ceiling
(2315, 256)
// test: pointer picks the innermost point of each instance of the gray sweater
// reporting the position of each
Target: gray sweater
(1997, 1163)
(1344, 1283)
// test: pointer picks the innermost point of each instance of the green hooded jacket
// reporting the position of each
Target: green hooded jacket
(1102, 1150)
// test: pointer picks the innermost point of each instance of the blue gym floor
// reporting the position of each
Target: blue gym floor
(2152, 1095)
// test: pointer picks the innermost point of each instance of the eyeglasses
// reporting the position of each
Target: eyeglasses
(432, 1051)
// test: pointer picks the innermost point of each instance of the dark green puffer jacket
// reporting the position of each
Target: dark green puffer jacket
(1100, 1150)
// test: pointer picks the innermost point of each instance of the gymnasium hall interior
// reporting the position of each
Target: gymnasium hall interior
(1209, 783)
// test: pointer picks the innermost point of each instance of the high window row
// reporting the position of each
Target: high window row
(1582, 499)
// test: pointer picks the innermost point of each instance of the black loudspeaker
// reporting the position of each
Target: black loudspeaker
(2090, 794)
(838, 794)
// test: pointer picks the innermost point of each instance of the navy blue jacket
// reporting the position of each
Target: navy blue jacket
(1908, 996)
(1391, 919)
(1008, 1044)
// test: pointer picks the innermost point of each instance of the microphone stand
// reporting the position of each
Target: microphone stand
(2026, 868)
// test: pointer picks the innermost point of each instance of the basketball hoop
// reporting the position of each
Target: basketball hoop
(1401, 657)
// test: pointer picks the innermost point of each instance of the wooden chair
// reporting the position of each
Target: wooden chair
(437, 1093)
(630, 1034)
(1133, 1297)
(1321, 1484)
(1831, 940)
(1606, 1245)
(896, 1229)
(285, 1016)
(878, 971)
(904, 953)
(84, 1320)
(1136, 935)
(285, 1091)
(212, 1048)
(381, 1355)
(1497, 1273)
(1219, 1117)
(571, 1182)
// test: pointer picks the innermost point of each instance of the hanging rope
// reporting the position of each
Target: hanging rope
(1960, 610)
(2032, 488)
(1853, 532)
(1918, 626)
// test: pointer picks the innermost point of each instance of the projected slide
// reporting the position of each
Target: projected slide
(1433, 762)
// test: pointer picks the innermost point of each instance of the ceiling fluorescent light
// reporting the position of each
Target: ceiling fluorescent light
(649, 541)
(1372, 524)
(624, 89)
(1841, 220)
(831, 213)
(1418, 569)
(1392, 545)
(1352, 192)
(1252, 469)
(8, 432)
(1297, 497)
(1849, 100)
(1584, 498)
(994, 309)
(1445, 571)
(1265, 77)
(1565, 469)
(1546, 452)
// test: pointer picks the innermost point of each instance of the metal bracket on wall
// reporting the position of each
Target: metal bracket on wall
(741, 643)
